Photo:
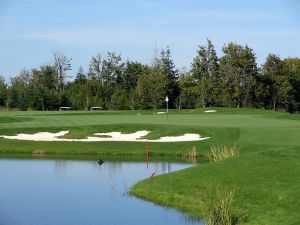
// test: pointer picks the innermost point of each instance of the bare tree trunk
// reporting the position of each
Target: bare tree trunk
(274, 101)
(62, 64)
(245, 99)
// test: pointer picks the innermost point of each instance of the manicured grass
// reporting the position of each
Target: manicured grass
(265, 175)
(266, 186)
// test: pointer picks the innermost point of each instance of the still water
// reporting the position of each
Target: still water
(70, 192)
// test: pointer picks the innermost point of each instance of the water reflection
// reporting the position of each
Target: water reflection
(60, 165)
(62, 192)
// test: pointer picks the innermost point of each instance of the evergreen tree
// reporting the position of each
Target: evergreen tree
(205, 71)
(112, 73)
(151, 88)
(158, 85)
(77, 91)
(143, 91)
(132, 72)
(3, 92)
(213, 68)
(171, 73)
(188, 91)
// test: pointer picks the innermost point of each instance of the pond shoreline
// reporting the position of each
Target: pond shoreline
(95, 157)
(101, 191)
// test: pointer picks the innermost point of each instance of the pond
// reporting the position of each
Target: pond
(62, 192)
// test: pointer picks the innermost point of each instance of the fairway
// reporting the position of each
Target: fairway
(265, 175)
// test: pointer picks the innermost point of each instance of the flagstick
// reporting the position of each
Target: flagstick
(147, 154)
(167, 102)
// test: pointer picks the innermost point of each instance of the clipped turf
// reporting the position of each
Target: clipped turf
(265, 176)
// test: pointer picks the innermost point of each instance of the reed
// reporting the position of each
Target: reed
(217, 205)
(192, 155)
(222, 152)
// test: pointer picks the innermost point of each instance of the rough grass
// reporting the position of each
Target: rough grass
(192, 155)
(222, 152)
(217, 205)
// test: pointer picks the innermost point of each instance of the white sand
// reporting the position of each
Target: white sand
(210, 111)
(159, 113)
(185, 137)
(118, 136)
(41, 136)
(138, 136)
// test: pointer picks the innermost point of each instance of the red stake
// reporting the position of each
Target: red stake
(152, 175)
(147, 154)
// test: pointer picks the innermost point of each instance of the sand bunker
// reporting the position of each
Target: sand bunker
(118, 136)
(210, 111)
(160, 113)
(138, 136)
(41, 136)
(185, 137)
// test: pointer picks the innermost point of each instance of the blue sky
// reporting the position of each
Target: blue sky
(31, 30)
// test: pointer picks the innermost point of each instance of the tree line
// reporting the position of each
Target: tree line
(232, 80)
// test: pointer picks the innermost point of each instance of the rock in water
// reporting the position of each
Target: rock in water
(100, 162)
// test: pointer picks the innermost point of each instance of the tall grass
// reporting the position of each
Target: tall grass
(192, 155)
(222, 152)
(217, 205)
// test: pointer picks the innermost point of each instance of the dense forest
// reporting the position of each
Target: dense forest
(232, 80)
